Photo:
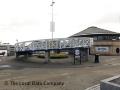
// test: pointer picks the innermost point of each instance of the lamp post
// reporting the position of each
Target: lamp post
(52, 23)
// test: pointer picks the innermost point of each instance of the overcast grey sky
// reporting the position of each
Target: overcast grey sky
(30, 19)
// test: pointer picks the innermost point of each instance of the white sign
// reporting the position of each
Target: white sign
(77, 52)
(52, 26)
(102, 49)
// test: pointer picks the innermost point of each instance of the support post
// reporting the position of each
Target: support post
(80, 58)
(47, 56)
(74, 57)
(77, 55)
(25, 55)
(17, 55)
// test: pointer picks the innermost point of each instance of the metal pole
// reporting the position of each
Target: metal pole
(52, 21)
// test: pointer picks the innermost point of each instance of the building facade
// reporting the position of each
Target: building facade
(8, 49)
(105, 42)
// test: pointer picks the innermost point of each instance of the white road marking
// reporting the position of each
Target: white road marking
(4, 66)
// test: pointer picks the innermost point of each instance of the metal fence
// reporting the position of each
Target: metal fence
(60, 43)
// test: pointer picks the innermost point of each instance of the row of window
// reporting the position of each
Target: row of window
(106, 38)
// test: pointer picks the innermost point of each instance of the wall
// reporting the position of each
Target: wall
(105, 47)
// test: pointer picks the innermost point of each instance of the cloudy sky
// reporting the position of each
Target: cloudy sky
(30, 19)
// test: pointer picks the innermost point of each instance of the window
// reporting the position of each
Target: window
(117, 50)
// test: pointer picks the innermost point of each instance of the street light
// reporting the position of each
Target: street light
(52, 23)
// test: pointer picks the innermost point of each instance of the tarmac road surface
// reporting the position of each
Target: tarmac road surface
(56, 75)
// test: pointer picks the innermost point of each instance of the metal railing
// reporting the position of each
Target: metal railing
(59, 43)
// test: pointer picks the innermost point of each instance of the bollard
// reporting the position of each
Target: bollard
(96, 58)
